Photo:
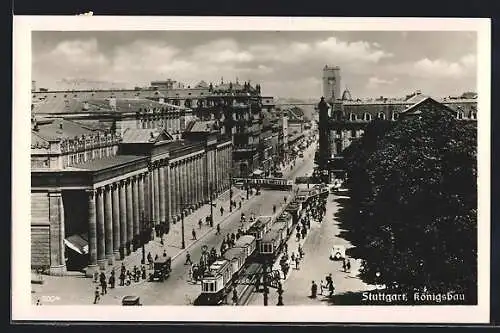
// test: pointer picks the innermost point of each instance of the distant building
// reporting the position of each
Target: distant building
(331, 83)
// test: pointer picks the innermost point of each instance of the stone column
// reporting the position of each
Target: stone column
(197, 181)
(92, 268)
(108, 227)
(156, 188)
(101, 244)
(190, 177)
(178, 189)
(168, 189)
(173, 196)
(116, 221)
(142, 208)
(130, 216)
(57, 234)
(135, 206)
(123, 219)
(182, 199)
(161, 190)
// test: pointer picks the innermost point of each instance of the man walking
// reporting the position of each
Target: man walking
(97, 295)
(194, 234)
(218, 229)
(221, 210)
(200, 222)
(188, 259)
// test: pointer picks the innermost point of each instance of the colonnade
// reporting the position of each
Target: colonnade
(116, 218)
(170, 124)
(121, 214)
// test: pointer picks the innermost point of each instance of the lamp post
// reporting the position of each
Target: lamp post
(230, 192)
(143, 238)
(211, 205)
(248, 189)
(183, 244)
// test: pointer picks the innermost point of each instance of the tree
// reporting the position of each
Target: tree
(414, 202)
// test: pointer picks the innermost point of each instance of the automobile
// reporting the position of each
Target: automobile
(338, 252)
(162, 269)
(131, 301)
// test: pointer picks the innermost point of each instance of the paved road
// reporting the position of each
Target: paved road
(316, 265)
(177, 290)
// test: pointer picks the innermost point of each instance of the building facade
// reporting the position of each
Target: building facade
(89, 211)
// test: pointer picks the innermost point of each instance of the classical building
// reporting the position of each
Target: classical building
(96, 195)
(342, 122)
(236, 108)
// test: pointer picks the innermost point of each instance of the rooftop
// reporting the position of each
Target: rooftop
(107, 162)
(60, 129)
(140, 135)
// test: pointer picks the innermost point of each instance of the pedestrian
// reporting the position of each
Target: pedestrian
(284, 198)
(348, 265)
(164, 253)
(233, 237)
(188, 259)
(104, 287)
(344, 265)
(331, 289)
(143, 269)
(97, 295)
(122, 279)
(112, 280)
(200, 222)
(292, 257)
(221, 210)
(235, 297)
(274, 209)
(240, 204)
(321, 286)
(297, 261)
(194, 234)
(218, 229)
(297, 236)
(314, 289)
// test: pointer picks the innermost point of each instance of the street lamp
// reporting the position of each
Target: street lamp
(183, 244)
(230, 192)
(211, 205)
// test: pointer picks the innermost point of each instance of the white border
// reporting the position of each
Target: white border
(21, 298)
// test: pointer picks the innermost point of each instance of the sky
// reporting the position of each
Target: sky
(287, 64)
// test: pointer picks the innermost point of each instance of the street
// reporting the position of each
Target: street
(316, 265)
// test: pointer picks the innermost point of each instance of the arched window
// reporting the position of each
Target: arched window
(352, 117)
(460, 115)
(381, 115)
(395, 115)
(367, 117)
(473, 115)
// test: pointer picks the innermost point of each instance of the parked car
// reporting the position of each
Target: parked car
(338, 252)
(131, 301)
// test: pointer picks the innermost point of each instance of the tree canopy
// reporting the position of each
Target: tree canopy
(413, 190)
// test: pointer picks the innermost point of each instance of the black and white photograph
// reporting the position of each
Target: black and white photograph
(232, 170)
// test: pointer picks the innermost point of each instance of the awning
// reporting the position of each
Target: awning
(78, 243)
(258, 172)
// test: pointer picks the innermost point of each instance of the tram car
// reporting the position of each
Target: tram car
(260, 227)
(287, 218)
(222, 273)
(273, 240)
(294, 209)
(247, 242)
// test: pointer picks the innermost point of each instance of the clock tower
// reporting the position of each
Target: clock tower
(331, 83)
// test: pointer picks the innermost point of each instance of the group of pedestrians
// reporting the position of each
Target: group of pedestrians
(327, 286)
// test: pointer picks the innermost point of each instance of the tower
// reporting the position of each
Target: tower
(331, 83)
(324, 149)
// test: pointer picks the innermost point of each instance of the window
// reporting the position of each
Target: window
(352, 117)
(395, 116)
(460, 115)
(381, 115)
(353, 133)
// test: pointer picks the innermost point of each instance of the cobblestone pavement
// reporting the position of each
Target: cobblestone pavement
(316, 265)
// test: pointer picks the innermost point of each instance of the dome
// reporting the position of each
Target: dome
(346, 95)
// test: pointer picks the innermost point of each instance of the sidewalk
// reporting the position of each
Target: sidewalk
(62, 288)
(172, 241)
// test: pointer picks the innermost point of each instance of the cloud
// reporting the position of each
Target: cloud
(375, 82)
(437, 68)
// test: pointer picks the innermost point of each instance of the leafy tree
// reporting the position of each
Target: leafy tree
(414, 201)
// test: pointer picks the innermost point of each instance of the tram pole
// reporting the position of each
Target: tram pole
(211, 205)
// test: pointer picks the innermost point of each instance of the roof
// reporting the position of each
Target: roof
(201, 126)
(60, 129)
(144, 135)
(108, 162)
(245, 239)
(416, 108)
